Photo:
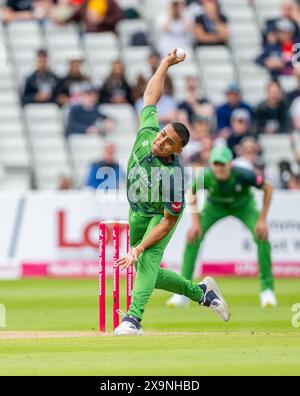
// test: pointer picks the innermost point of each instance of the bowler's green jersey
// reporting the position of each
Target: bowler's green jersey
(234, 192)
(153, 184)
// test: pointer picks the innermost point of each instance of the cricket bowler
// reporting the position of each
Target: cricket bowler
(230, 194)
(153, 221)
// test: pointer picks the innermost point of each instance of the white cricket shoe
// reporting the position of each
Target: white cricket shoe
(268, 299)
(130, 326)
(213, 299)
(177, 301)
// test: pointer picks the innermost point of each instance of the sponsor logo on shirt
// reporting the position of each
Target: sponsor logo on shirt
(176, 206)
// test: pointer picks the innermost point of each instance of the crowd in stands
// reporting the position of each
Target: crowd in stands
(189, 24)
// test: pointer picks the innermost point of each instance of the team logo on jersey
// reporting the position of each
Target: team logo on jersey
(176, 206)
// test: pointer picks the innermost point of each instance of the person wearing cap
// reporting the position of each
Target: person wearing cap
(240, 129)
(277, 55)
(289, 10)
(230, 194)
(86, 118)
(70, 87)
(234, 101)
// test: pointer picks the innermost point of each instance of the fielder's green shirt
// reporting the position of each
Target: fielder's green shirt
(235, 193)
(153, 185)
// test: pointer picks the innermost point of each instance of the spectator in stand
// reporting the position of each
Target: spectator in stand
(64, 10)
(289, 10)
(272, 114)
(86, 117)
(18, 10)
(98, 16)
(107, 173)
(234, 101)
(200, 130)
(248, 154)
(211, 26)
(65, 183)
(174, 27)
(240, 129)
(294, 183)
(41, 86)
(116, 89)
(201, 157)
(194, 104)
(278, 51)
(70, 87)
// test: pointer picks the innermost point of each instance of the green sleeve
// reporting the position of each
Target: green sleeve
(251, 178)
(149, 119)
(201, 180)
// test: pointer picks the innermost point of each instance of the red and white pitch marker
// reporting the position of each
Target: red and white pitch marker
(116, 225)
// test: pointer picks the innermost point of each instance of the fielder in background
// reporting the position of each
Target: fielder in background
(230, 194)
(152, 217)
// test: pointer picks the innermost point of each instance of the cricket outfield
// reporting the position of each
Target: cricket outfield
(52, 330)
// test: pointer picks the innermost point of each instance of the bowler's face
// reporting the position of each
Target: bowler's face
(167, 143)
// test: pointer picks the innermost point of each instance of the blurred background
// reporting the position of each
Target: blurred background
(72, 76)
(61, 59)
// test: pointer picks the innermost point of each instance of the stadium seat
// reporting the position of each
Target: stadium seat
(44, 112)
(288, 83)
(208, 54)
(277, 148)
(245, 34)
(267, 9)
(10, 114)
(25, 34)
(47, 178)
(15, 181)
(100, 41)
(123, 115)
(52, 28)
(12, 128)
(126, 28)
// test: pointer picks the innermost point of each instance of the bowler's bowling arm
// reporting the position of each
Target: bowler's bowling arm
(155, 87)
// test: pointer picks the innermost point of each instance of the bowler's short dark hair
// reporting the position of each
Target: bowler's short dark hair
(42, 53)
(182, 131)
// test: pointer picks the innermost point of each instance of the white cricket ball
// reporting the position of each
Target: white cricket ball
(180, 53)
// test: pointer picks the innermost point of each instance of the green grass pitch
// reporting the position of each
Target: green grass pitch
(255, 342)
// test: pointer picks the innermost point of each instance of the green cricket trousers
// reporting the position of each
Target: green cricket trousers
(149, 275)
(249, 215)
